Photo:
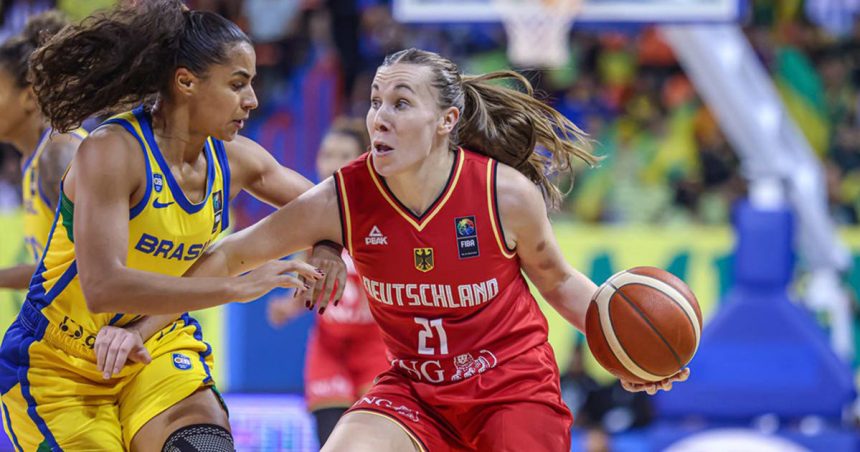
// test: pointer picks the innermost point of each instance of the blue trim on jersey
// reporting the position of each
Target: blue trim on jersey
(61, 284)
(37, 279)
(31, 402)
(32, 320)
(37, 290)
(178, 194)
(9, 428)
(198, 334)
(138, 208)
(115, 319)
(10, 350)
(221, 153)
(41, 141)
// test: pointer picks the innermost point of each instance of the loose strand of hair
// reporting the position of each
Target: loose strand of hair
(548, 129)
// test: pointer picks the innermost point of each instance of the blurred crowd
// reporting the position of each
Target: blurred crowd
(666, 160)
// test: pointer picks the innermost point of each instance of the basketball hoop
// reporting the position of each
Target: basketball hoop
(538, 31)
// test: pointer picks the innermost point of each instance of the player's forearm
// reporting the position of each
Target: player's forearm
(151, 324)
(571, 298)
(17, 277)
(248, 249)
(138, 292)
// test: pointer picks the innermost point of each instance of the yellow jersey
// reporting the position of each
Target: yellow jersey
(38, 215)
(166, 231)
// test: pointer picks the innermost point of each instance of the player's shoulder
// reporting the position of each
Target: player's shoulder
(111, 146)
(110, 134)
(514, 187)
(242, 151)
(242, 143)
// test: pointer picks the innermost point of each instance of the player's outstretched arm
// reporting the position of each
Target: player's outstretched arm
(17, 277)
(309, 219)
(255, 170)
(526, 226)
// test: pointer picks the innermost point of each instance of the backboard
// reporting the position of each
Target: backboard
(601, 11)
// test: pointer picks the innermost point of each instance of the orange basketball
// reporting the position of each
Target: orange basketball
(643, 324)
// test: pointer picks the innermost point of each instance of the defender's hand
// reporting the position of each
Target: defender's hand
(329, 260)
(260, 281)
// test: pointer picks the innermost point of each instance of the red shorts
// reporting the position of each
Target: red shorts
(516, 406)
(339, 368)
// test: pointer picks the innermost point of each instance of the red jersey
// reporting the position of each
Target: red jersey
(352, 313)
(345, 350)
(444, 288)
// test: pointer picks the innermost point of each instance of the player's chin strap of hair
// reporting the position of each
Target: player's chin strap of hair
(199, 438)
(337, 247)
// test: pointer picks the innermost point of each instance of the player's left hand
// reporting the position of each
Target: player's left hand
(331, 286)
(114, 346)
(652, 388)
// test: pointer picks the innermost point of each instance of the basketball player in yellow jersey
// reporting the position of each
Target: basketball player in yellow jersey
(44, 154)
(144, 196)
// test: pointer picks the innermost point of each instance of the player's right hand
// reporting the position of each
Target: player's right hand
(115, 346)
(285, 274)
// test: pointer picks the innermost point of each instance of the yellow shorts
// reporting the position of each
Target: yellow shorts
(54, 398)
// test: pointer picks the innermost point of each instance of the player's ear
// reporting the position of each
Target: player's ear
(185, 82)
(28, 100)
(450, 117)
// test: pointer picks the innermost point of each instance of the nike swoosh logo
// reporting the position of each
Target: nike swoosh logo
(159, 205)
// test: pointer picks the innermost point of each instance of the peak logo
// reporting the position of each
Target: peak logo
(375, 237)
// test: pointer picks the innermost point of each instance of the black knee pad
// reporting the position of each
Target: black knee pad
(199, 438)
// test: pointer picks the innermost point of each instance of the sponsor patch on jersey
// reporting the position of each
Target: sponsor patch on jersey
(157, 182)
(217, 202)
(467, 237)
(423, 259)
(217, 208)
(181, 361)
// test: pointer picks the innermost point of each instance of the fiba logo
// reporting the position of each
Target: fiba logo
(467, 237)
(465, 227)
(181, 361)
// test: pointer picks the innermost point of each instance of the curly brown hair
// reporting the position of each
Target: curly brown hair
(125, 56)
(506, 124)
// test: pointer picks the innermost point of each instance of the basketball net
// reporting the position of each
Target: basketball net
(538, 31)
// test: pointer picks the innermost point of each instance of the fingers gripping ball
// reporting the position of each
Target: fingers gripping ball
(643, 325)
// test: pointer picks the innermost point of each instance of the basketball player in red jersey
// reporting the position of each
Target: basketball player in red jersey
(442, 218)
(345, 351)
